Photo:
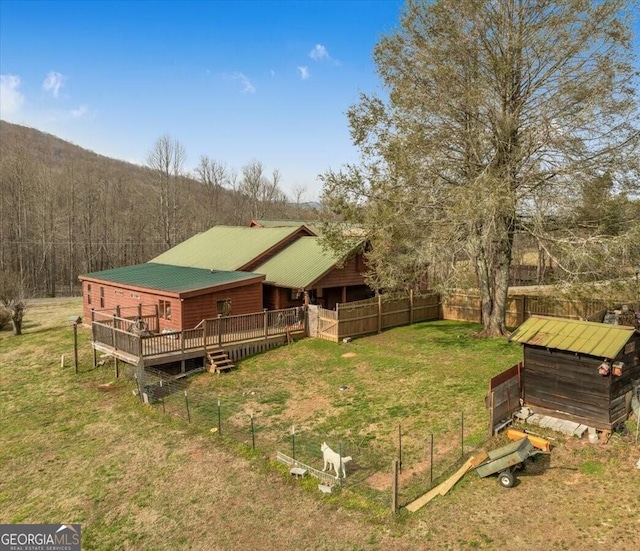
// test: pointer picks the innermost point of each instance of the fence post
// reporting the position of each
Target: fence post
(400, 446)
(394, 486)
(113, 333)
(253, 435)
(186, 401)
(93, 336)
(220, 330)
(266, 323)
(462, 434)
(410, 306)
(431, 461)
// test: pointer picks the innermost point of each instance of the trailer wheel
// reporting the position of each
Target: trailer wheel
(506, 479)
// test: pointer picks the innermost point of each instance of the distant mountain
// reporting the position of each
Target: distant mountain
(54, 151)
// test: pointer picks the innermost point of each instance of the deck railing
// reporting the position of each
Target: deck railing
(218, 331)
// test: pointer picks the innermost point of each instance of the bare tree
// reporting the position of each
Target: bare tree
(214, 176)
(166, 161)
(263, 194)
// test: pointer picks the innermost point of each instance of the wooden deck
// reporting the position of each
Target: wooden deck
(238, 335)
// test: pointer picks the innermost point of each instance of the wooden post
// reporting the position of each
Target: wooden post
(491, 420)
(344, 294)
(113, 333)
(410, 306)
(75, 348)
(266, 323)
(462, 434)
(431, 461)
(186, 402)
(118, 317)
(140, 310)
(93, 337)
(116, 367)
(220, 330)
(379, 313)
(394, 486)
(157, 317)
(400, 447)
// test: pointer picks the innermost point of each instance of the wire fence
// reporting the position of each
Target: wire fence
(424, 459)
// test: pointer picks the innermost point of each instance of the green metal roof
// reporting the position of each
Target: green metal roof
(224, 247)
(285, 223)
(299, 265)
(163, 277)
(584, 337)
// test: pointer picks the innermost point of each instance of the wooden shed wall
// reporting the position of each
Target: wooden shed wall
(563, 381)
(245, 299)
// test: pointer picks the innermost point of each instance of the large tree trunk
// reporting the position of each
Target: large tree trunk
(492, 267)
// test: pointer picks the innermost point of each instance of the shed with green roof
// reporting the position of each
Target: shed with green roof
(579, 370)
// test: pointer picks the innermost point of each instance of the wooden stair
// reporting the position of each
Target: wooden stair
(219, 361)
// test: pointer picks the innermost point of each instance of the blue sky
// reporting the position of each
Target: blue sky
(236, 81)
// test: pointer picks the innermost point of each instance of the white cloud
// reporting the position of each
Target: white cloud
(10, 97)
(53, 82)
(304, 73)
(247, 87)
(79, 112)
(320, 53)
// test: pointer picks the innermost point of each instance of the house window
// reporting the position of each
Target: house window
(119, 293)
(101, 297)
(164, 309)
(88, 293)
(296, 294)
(133, 295)
(224, 307)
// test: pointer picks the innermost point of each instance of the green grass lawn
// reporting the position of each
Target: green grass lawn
(82, 449)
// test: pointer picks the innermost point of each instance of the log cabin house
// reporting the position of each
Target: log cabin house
(258, 267)
(579, 370)
(182, 297)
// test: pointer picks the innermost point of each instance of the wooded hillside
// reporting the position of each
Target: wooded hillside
(65, 210)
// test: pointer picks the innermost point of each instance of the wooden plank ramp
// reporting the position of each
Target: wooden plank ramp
(443, 488)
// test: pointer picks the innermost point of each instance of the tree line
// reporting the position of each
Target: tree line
(66, 211)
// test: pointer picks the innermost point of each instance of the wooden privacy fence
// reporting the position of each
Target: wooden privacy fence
(467, 307)
(368, 316)
(364, 317)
